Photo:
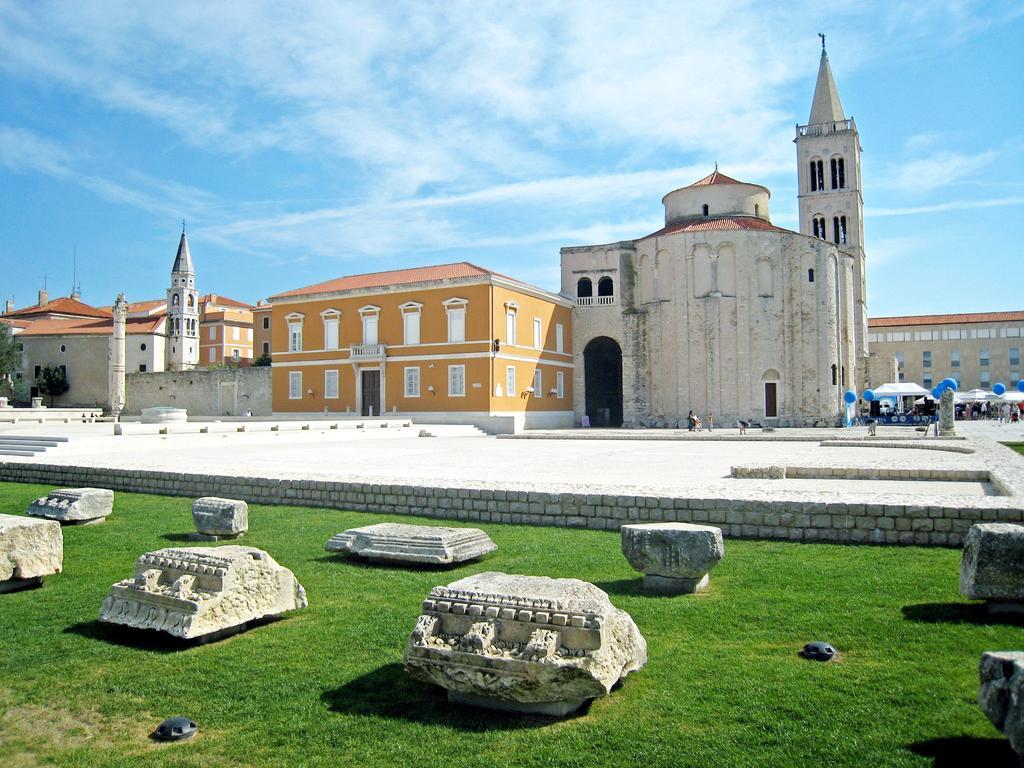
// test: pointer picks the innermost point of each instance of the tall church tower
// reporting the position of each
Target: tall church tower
(182, 311)
(830, 199)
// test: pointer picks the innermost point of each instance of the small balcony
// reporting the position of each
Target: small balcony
(824, 129)
(366, 352)
(594, 301)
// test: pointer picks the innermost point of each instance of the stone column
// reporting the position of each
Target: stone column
(117, 340)
(946, 414)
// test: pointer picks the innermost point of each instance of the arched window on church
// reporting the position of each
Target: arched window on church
(191, 301)
(584, 288)
(605, 287)
(817, 176)
(810, 275)
(838, 173)
(819, 227)
(839, 229)
(835, 379)
(174, 300)
(757, 210)
(705, 209)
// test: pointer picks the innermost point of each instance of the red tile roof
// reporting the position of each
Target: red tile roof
(716, 178)
(61, 306)
(222, 301)
(972, 317)
(80, 326)
(462, 269)
(721, 224)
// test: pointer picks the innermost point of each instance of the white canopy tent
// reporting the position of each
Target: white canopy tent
(901, 389)
(973, 396)
(1013, 397)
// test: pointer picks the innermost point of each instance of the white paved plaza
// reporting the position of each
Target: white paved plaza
(398, 455)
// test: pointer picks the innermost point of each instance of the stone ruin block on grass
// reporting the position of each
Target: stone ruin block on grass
(402, 543)
(992, 568)
(675, 558)
(523, 643)
(216, 518)
(74, 506)
(29, 550)
(202, 592)
(1001, 694)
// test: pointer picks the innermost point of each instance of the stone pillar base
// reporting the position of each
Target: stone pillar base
(552, 708)
(666, 585)
(16, 585)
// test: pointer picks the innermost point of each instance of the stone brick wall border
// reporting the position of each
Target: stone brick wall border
(778, 472)
(795, 516)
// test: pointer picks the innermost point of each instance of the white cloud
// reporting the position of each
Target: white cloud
(952, 205)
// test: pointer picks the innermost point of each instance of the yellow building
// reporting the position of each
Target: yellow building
(453, 343)
(225, 331)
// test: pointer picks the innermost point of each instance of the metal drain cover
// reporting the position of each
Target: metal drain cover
(818, 651)
(175, 729)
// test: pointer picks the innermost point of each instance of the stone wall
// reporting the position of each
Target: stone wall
(809, 519)
(217, 392)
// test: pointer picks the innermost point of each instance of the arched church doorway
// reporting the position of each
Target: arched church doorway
(602, 379)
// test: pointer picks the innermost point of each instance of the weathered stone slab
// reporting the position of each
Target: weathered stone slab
(1001, 694)
(74, 505)
(402, 543)
(523, 643)
(992, 567)
(29, 550)
(674, 557)
(202, 592)
(216, 518)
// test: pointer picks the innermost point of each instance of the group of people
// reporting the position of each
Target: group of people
(696, 425)
(1004, 412)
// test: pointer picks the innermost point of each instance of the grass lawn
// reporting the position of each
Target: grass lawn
(325, 686)
(1018, 447)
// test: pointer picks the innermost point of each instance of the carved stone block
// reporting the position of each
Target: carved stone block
(74, 505)
(523, 643)
(992, 567)
(216, 518)
(674, 557)
(202, 592)
(29, 550)
(1001, 694)
(401, 543)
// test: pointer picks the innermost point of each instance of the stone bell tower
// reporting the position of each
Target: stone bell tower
(828, 175)
(182, 311)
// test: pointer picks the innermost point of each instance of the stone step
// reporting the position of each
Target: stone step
(42, 444)
(34, 438)
(15, 452)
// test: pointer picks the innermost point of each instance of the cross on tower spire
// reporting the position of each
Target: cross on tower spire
(822, 36)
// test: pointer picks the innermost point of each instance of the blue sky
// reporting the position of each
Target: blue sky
(306, 141)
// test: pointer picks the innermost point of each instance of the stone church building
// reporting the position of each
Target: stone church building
(723, 312)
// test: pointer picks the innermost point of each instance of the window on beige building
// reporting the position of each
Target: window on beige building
(456, 381)
(412, 381)
(559, 384)
(510, 381)
(295, 385)
(331, 385)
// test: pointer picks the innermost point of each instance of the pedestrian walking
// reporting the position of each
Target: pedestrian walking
(711, 421)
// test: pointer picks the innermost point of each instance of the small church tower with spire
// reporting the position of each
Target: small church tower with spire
(830, 199)
(182, 311)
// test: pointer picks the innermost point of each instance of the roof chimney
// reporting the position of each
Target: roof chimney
(44, 297)
(9, 307)
(77, 293)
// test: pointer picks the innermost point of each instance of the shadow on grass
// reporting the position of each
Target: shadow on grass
(383, 565)
(959, 613)
(967, 752)
(623, 587)
(155, 641)
(390, 692)
(176, 537)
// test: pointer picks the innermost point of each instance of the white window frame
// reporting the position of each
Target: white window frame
(456, 313)
(538, 333)
(370, 313)
(211, 356)
(452, 369)
(410, 322)
(411, 378)
(294, 385)
(538, 383)
(295, 331)
(560, 384)
(327, 384)
(559, 337)
(213, 333)
(510, 381)
(332, 320)
(511, 310)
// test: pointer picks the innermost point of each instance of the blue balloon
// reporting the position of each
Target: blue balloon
(850, 397)
(869, 395)
(937, 392)
(1020, 385)
(950, 384)
(999, 388)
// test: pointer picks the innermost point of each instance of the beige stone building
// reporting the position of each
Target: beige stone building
(978, 349)
(722, 311)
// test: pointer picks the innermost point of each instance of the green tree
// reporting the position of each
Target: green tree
(10, 362)
(261, 361)
(53, 381)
